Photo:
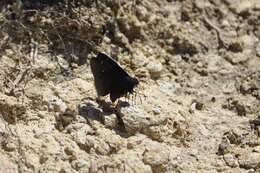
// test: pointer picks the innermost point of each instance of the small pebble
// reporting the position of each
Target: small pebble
(230, 160)
(155, 69)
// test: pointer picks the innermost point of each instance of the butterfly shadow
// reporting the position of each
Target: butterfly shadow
(108, 109)
(90, 110)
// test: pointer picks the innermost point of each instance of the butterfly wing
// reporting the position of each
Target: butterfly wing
(112, 65)
(110, 77)
(100, 73)
(106, 73)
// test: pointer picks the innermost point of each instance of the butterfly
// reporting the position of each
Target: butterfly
(110, 78)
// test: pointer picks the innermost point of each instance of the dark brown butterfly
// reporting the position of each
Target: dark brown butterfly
(110, 78)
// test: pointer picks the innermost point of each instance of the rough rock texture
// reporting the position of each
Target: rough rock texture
(197, 107)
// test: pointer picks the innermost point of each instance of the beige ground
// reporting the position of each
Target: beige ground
(198, 63)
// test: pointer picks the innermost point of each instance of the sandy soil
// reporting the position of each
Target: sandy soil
(198, 109)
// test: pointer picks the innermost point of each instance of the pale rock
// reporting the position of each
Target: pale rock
(32, 159)
(7, 163)
(156, 156)
(252, 160)
(248, 41)
(155, 69)
(230, 160)
(134, 163)
(142, 13)
(79, 164)
(135, 141)
(40, 94)
(120, 37)
(73, 90)
(137, 120)
(214, 63)
(257, 149)
(111, 121)
(167, 87)
(258, 49)
(50, 146)
(10, 108)
(79, 133)
(113, 140)
(57, 105)
(156, 110)
(100, 146)
(225, 23)
(56, 165)
(4, 132)
(202, 4)
(240, 57)
(139, 59)
(10, 146)
(44, 63)
(251, 171)
(242, 6)
(229, 88)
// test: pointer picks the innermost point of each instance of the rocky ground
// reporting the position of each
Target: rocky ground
(197, 110)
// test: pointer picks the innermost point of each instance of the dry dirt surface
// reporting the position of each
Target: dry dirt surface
(198, 107)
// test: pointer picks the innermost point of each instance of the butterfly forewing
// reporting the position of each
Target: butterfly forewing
(111, 66)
